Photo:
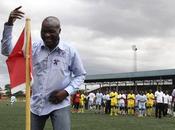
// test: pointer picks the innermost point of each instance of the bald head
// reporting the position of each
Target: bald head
(51, 21)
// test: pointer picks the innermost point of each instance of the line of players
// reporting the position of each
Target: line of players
(113, 103)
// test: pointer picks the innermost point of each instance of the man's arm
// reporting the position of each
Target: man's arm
(173, 96)
(79, 74)
(79, 77)
(6, 42)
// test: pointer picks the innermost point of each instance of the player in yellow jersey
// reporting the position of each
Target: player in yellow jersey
(131, 102)
(113, 96)
(82, 102)
(150, 102)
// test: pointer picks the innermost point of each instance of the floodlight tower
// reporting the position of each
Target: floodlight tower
(134, 48)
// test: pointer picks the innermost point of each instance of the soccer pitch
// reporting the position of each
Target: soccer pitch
(13, 118)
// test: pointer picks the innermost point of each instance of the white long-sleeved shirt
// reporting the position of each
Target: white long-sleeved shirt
(51, 71)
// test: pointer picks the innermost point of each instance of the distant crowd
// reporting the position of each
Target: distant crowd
(139, 103)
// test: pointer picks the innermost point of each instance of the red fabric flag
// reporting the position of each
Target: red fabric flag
(16, 65)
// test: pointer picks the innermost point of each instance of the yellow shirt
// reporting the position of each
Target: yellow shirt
(150, 98)
(82, 98)
(131, 98)
(113, 96)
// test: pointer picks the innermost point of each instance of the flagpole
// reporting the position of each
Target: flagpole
(28, 118)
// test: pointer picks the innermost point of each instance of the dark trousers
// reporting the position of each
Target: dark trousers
(108, 107)
(159, 110)
(165, 109)
(76, 105)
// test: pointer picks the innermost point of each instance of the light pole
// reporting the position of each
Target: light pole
(134, 48)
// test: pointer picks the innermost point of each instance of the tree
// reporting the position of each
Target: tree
(8, 90)
(20, 94)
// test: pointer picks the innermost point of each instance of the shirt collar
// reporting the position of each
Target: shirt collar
(60, 46)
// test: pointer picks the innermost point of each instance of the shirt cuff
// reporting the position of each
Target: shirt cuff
(8, 24)
(8, 28)
(71, 90)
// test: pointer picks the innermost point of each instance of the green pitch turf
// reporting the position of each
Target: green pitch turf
(13, 118)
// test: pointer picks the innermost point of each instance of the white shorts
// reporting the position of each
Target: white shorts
(98, 102)
(142, 106)
(121, 104)
(91, 102)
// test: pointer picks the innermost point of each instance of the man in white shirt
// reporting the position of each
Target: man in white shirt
(13, 100)
(98, 101)
(142, 104)
(108, 102)
(122, 98)
(173, 101)
(58, 72)
(165, 103)
(170, 112)
(91, 100)
(137, 103)
(159, 102)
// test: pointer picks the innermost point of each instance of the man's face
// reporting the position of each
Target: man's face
(50, 34)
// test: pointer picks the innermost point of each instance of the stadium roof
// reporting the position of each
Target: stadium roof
(140, 75)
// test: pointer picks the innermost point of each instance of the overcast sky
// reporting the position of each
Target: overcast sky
(103, 31)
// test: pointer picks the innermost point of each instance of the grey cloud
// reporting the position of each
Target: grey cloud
(105, 30)
(126, 19)
(3, 69)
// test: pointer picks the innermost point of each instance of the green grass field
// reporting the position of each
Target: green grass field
(13, 118)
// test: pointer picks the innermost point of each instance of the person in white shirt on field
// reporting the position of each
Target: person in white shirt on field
(170, 112)
(173, 101)
(58, 72)
(165, 103)
(103, 102)
(98, 101)
(159, 102)
(108, 103)
(91, 100)
(13, 99)
(142, 104)
(121, 102)
(137, 103)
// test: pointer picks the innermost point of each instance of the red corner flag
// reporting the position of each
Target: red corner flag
(17, 66)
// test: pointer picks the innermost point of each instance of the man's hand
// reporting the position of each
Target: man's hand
(57, 96)
(15, 14)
